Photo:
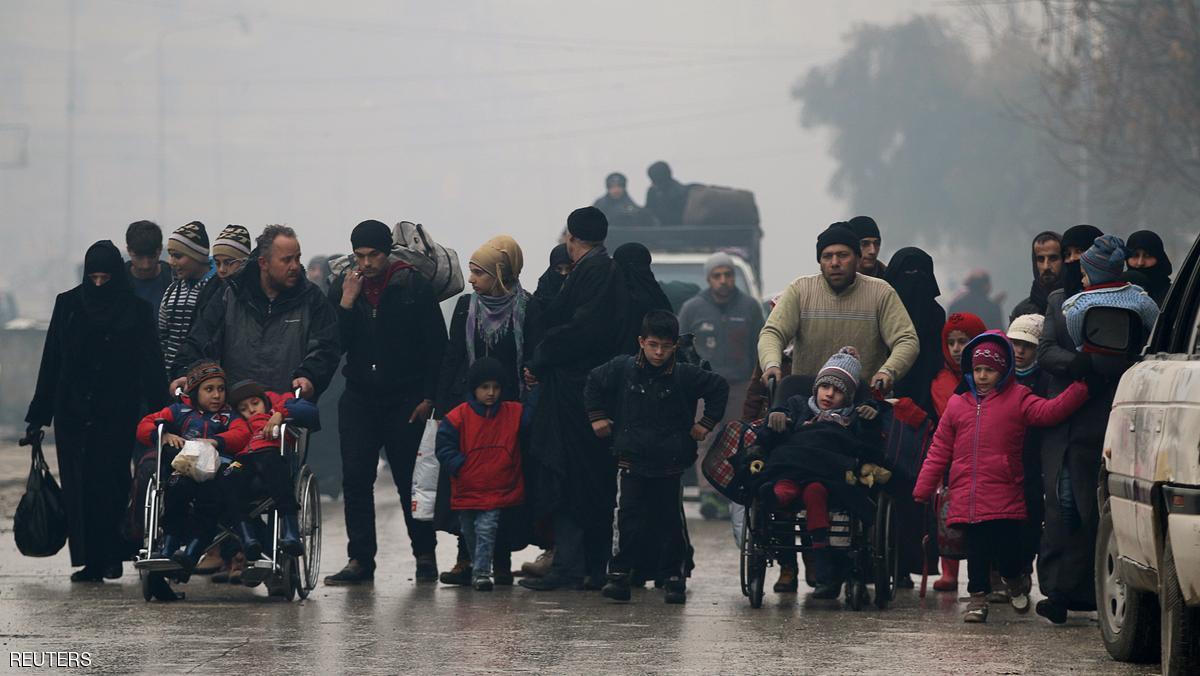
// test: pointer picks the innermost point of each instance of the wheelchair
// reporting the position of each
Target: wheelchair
(870, 551)
(285, 576)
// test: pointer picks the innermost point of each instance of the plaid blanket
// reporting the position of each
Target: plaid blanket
(722, 465)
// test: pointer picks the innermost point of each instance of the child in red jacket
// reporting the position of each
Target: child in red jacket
(264, 412)
(204, 417)
(478, 445)
(959, 329)
(981, 437)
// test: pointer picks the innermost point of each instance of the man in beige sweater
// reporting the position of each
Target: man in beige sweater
(839, 307)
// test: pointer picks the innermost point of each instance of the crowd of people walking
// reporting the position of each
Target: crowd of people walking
(569, 415)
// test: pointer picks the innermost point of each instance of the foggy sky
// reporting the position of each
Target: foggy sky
(474, 118)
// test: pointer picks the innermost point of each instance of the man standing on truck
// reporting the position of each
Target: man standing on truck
(726, 324)
(618, 207)
(666, 197)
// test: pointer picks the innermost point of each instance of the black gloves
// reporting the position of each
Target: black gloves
(1081, 366)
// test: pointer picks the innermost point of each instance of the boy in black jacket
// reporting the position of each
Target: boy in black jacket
(647, 404)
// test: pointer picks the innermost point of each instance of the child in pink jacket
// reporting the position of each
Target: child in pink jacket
(981, 438)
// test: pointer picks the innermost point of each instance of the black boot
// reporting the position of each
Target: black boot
(289, 540)
(676, 588)
(827, 586)
(171, 544)
(250, 544)
(618, 588)
(190, 556)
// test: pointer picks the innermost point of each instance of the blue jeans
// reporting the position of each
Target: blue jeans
(479, 528)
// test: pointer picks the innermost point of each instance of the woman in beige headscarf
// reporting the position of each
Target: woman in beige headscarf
(499, 320)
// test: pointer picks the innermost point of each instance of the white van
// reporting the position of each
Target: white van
(1148, 547)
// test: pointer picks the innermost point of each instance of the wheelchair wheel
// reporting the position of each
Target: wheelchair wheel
(754, 561)
(308, 566)
(884, 552)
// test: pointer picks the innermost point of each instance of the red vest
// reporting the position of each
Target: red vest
(491, 476)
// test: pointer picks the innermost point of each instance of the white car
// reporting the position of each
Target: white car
(1148, 546)
(689, 267)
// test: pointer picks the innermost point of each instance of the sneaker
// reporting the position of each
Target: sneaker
(977, 608)
(1018, 592)
(539, 567)
(676, 591)
(999, 593)
(1052, 610)
(787, 582)
(712, 507)
(617, 588)
(427, 570)
(354, 573)
(460, 575)
(483, 583)
(552, 582)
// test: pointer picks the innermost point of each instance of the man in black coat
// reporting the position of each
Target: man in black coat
(585, 326)
(395, 337)
(1047, 253)
(1071, 455)
(270, 324)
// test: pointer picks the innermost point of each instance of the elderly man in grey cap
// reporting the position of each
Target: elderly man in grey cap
(726, 323)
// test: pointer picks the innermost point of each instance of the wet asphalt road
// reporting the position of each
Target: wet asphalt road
(398, 626)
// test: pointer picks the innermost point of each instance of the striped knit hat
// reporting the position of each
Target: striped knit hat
(190, 240)
(842, 371)
(234, 241)
(1104, 261)
(201, 372)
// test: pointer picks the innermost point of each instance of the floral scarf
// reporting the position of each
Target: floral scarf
(492, 318)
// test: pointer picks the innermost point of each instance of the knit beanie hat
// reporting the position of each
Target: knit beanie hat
(718, 260)
(1027, 328)
(201, 372)
(990, 353)
(484, 370)
(864, 227)
(842, 371)
(838, 233)
(234, 241)
(371, 235)
(559, 255)
(615, 178)
(190, 240)
(588, 224)
(1105, 260)
(244, 389)
(501, 258)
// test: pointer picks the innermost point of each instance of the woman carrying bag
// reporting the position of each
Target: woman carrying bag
(101, 369)
(499, 320)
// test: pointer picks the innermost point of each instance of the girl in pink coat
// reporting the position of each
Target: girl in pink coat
(981, 438)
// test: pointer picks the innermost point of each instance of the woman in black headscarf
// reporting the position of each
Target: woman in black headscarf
(1148, 257)
(101, 370)
(552, 279)
(910, 273)
(644, 292)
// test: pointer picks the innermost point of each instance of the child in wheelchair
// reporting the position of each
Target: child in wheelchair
(821, 448)
(264, 412)
(203, 416)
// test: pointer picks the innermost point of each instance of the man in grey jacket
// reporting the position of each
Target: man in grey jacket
(270, 324)
(726, 324)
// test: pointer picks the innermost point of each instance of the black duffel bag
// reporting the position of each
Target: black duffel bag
(40, 524)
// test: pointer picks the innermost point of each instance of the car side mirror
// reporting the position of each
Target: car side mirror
(1113, 331)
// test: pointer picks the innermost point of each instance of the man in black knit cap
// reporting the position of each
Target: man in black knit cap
(393, 333)
(870, 242)
(575, 475)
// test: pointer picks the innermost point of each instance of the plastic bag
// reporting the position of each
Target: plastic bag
(425, 474)
(40, 523)
(198, 460)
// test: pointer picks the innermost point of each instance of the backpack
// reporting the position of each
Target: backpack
(412, 244)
